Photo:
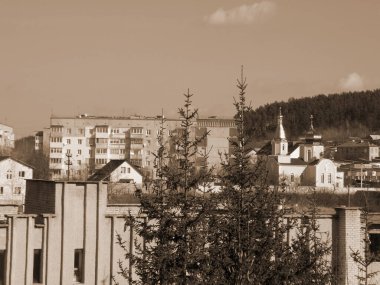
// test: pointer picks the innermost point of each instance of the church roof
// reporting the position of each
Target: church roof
(280, 132)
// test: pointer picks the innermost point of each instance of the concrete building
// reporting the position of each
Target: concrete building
(7, 137)
(93, 141)
(68, 235)
(357, 151)
(13, 175)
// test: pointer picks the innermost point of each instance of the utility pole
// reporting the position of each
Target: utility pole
(68, 162)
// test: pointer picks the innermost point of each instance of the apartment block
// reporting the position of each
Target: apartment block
(78, 146)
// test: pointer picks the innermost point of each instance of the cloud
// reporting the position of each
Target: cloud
(244, 14)
(352, 82)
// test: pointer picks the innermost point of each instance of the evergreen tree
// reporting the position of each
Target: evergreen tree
(173, 225)
(249, 237)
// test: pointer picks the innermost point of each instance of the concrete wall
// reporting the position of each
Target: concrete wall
(81, 219)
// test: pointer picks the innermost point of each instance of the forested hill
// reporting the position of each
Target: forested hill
(336, 116)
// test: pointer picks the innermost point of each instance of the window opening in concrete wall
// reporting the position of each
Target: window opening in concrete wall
(2, 266)
(78, 265)
(37, 266)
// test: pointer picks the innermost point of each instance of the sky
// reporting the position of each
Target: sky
(122, 57)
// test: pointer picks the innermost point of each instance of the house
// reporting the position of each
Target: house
(357, 151)
(13, 175)
(300, 163)
(68, 235)
(118, 171)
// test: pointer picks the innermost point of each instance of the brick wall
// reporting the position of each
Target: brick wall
(349, 236)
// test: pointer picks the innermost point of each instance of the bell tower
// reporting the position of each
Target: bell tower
(279, 142)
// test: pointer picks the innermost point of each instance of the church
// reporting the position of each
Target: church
(300, 163)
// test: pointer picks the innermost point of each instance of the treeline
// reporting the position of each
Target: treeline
(336, 116)
(25, 152)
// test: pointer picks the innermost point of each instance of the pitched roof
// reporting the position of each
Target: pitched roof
(357, 144)
(19, 161)
(104, 172)
(266, 149)
(298, 161)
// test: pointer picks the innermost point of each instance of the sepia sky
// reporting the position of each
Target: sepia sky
(121, 57)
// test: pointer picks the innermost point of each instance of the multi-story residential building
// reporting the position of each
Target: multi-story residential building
(7, 137)
(38, 141)
(77, 146)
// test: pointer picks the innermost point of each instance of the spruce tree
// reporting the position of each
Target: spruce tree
(249, 237)
(174, 215)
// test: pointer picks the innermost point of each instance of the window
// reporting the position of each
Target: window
(78, 265)
(17, 190)
(137, 130)
(101, 140)
(123, 170)
(114, 151)
(81, 131)
(79, 162)
(79, 151)
(55, 160)
(56, 129)
(323, 178)
(68, 141)
(1, 190)
(37, 266)
(292, 177)
(115, 131)
(79, 141)
(21, 174)
(56, 150)
(374, 246)
(9, 174)
(101, 150)
(68, 130)
(329, 178)
(2, 266)
(68, 151)
(128, 170)
(148, 132)
(100, 161)
(102, 129)
(56, 139)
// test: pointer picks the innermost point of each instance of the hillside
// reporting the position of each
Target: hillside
(336, 116)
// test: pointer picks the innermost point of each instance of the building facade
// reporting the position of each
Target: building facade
(302, 163)
(13, 175)
(77, 146)
(68, 235)
(7, 137)
(357, 151)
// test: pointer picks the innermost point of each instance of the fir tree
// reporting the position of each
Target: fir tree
(173, 224)
(248, 241)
